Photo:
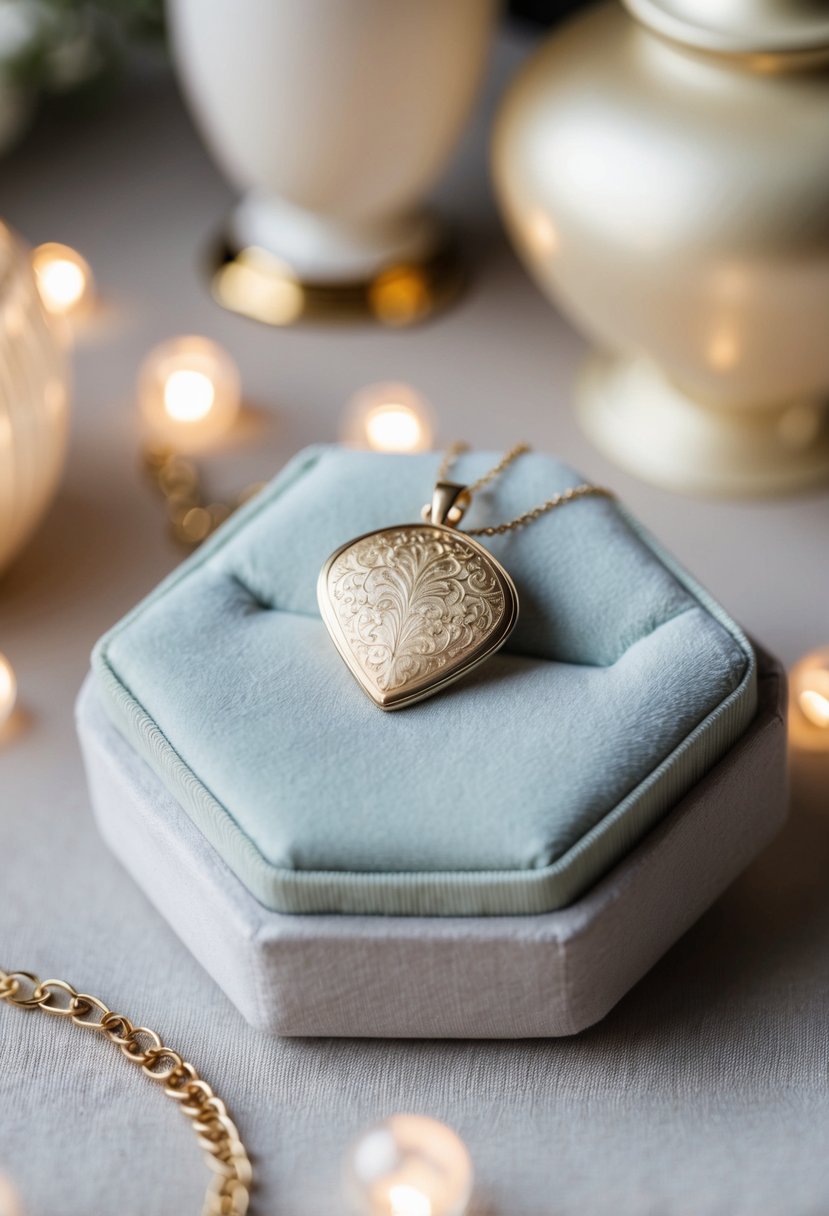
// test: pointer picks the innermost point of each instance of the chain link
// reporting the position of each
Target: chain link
(229, 1191)
(528, 517)
(192, 514)
(457, 449)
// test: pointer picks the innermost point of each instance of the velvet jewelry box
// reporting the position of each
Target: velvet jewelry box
(505, 859)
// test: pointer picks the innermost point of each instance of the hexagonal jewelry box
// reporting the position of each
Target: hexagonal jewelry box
(505, 859)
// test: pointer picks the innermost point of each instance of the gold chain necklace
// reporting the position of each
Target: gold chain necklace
(414, 607)
(229, 1191)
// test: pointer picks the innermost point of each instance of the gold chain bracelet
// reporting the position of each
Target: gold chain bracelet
(229, 1192)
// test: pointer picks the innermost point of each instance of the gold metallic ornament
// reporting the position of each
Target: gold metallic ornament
(666, 180)
(228, 1193)
(191, 514)
(414, 607)
(258, 285)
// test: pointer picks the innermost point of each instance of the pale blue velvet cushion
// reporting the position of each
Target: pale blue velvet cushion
(510, 792)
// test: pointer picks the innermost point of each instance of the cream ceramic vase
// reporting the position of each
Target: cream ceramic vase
(333, 118)
(33, 400)
(665, 175)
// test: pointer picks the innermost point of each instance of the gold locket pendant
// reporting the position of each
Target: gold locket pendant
(414, 607)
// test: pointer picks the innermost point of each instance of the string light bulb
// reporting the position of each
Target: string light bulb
(64, 278)
(809, 702)
(389, 418)
(410, 1165)
(9, 1199)
(8, 690)
(189, 393)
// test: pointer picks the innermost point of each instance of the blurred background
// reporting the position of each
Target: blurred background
(59, 54)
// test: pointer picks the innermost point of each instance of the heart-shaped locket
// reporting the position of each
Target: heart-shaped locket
(413, 608)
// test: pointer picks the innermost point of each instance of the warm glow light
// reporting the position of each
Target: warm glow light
(815, 706)
(389, 418)
(189, 393)
(64, 278)
(9, 1199)
(542, 234)
(259, 285)
(809, 702)
(393, 428)
(400, 296)
(408, 1201)
(8, 689)
(723, 350)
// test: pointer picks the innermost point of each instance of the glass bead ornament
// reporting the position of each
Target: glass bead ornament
(389, 417)
(189, 393)
(64, 279)
(34, 399)
(409, 1165)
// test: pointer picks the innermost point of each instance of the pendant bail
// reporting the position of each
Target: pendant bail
(449, 502)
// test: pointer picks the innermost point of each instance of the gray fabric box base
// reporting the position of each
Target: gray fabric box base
(442, 977)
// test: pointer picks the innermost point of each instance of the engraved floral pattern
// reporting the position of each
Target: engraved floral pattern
(412, 601)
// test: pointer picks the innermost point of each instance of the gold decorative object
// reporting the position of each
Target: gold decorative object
(414, 607)
(229, 1191)
(34, 400)
(262, 286)
(192, 515)
(665, 176)
(411, 609)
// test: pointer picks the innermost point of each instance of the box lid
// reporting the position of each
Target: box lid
(512, 791)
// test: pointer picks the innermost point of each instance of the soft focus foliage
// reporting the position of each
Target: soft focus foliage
(54, 48)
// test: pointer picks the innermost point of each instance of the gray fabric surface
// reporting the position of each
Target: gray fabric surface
(705, 1091)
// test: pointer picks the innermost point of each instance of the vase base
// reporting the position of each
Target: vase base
(651, 428)
(258, 284)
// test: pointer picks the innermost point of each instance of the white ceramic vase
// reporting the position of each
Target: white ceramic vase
(33, 400)
(665, 175)
(334, 118)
